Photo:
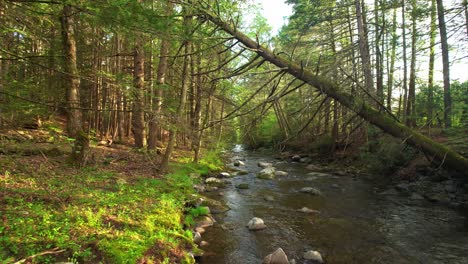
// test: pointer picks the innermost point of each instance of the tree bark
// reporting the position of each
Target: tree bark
(138, 117)
(73, 111)
(391, 71)
(402, 108)
(364, 47)
(438, 152)
(410, 111)
(430, 83)
(445, 65)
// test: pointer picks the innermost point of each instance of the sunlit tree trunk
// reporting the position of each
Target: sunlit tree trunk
(410, 111)
(430, 83)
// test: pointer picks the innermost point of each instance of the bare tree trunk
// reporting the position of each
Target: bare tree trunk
(410, 111)
(445, 65)
(74, 114)
(392, 61)
(438, 152)
(138, 117)
(405, 67)
(183, 96)
(433, 33)
(364, 47)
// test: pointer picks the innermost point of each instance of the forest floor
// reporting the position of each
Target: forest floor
(118, 209)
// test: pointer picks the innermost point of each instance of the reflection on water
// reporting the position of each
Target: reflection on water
(355, 225)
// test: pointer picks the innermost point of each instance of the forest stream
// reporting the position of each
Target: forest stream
(358, 222)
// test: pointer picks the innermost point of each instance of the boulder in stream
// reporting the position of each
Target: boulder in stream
(311, 190)
(267, 173)
(281, 173)
(242, 186)
(277, 257)
(264, 165)
(314, 256)
(224, 175)
(256, 224)
(197, 238)
(204, 221)
(296, 158)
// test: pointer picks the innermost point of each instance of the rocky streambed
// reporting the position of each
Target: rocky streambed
(295, 211)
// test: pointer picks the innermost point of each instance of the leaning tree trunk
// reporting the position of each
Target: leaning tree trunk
(74, 115)
(438, 152)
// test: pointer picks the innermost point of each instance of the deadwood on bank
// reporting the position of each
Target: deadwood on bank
(448, 158)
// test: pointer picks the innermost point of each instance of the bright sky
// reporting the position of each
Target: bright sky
(276, 12)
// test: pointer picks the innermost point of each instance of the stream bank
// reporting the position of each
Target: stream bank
(358, 221)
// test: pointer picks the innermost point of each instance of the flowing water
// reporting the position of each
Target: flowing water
(356, 224)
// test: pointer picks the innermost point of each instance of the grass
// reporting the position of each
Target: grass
(98, 214)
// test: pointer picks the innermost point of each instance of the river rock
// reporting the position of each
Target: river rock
(318, 174)
(277, 257)
(305, 160)
(256, 224)
(224, 175)
(267, 173)
(242, 172)
(199, 188)
(269, 198)
(313, 256)
(242, 186)
(281, 173)
(203, 243)
(200, 230)
(264, 165)
(312, 167)
(213, 180)
(311, 190)
(197, 238)
(204, 221)
(238, 163)
(296, 158)
(216, 206)
(308, 210)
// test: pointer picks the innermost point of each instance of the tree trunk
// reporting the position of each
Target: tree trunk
(155, 121)
(410, 111)
(74, 114)
(438, 152)
(138, 117)
(402, 113)
(364, 47)
(183, 96)
(392, 60)
(430, 83)
(445, 65)
(378, 52)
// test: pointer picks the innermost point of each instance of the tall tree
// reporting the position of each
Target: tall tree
(138, 116)
(410, 107)
(445, 64)
(364, 46)
(74, 114)
(430, 82)
(391, 70)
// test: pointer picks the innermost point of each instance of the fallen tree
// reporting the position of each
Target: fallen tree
(437, 152)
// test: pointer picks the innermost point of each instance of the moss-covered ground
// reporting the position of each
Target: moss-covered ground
(116, 210)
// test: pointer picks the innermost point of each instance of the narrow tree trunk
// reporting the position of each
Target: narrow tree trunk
(438, 152)
(410, 111)
(74, 114)
(445, 65)
(378, 52)
(183, 96)
(364, 47)
(430, 83)
(405, 64)
(392, 61)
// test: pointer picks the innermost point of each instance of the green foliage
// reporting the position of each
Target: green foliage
(265, 134)
(91, 212)
(384, 154)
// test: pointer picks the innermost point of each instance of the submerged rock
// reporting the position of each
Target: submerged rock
(318, 174)
(277, 257)
(267, 173)
(281, 173)
(308, 210)
(305, 160)
(269, 198)
(264, 165)
(242, 186)
(313, 167)
(311, 190)
(296, 158)
(313, 256)
(238, 163)
(256, 224)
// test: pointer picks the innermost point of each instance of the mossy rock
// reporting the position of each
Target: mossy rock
(216, 207)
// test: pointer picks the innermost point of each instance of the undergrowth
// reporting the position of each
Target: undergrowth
(95, 214)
